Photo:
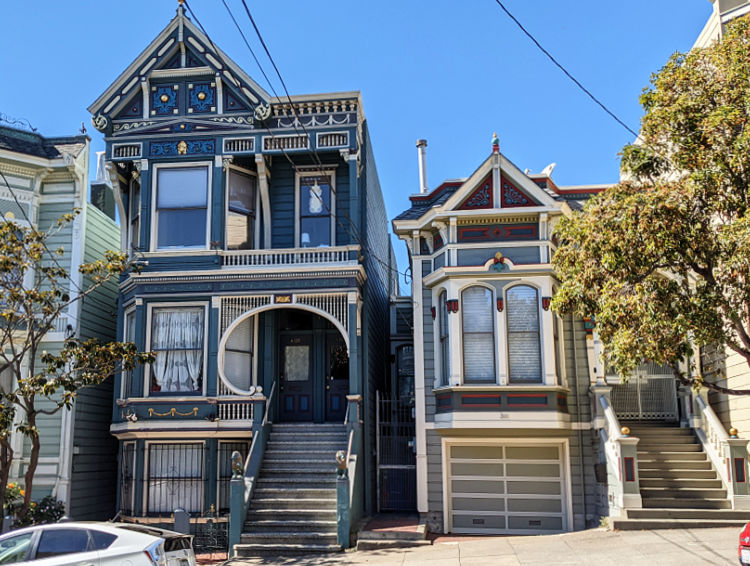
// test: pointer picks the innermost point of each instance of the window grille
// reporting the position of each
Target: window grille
(127, 479)
(225, 471)
(174, 478)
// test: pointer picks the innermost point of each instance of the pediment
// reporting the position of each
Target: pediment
(515, 189)
(180, 73)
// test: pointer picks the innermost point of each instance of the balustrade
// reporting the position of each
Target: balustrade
(281, 257)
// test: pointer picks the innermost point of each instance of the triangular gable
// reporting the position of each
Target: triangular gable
(179, 43)
(516, 189)
(511, 196)
(481, 197)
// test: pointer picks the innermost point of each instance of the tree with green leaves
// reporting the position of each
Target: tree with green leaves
(662, 260)
(33, 296)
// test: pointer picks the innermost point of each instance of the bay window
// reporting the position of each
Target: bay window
(478, 335)
(177, 339)
(524, 348)
(181, 207)
(240, 210)
(128, 335)
(315, 206)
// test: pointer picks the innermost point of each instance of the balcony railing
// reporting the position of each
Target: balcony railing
(281, 257)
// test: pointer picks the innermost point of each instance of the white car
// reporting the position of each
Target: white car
(81, 544)
(178, 547)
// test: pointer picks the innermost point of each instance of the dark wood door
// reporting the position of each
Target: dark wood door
(296, 378)
(337, 377)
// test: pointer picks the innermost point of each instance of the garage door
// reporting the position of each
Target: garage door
(506, 489)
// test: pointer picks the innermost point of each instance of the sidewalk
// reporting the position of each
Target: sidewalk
(599, 547)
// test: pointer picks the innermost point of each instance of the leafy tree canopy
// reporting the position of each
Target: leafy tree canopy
(662, 260)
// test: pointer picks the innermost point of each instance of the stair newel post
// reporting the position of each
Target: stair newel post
(735, 456)
(236, 500)
(343, 516)
(630, 482)
(685, 401)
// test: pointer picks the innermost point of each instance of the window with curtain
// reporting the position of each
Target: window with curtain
(128, 335)
(478, 325)
(524, 348)
(240, 210)
(238, 355)
(315, 211)
(175, 478)
(444, 340)
(177, 339)
(181, 207)
(134, 216)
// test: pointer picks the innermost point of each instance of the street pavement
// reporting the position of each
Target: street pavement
(595, 547)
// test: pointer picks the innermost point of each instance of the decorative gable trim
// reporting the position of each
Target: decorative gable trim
(512, 197)
(481, 197)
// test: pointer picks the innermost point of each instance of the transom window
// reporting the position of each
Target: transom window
(181, 207)
(524, 348)
(240, 210)
(315, 211)
(177, 338)
(478, 335)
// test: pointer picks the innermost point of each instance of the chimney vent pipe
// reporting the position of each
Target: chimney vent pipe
(422, 150)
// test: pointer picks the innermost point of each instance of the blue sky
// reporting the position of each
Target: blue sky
(452, 72)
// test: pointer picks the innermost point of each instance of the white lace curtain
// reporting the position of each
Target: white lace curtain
(177, 339)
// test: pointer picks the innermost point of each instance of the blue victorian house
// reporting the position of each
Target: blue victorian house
(265, 272)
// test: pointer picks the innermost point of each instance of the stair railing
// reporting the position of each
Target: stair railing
(245, 477)
(348, 480)
(727, 452)
(621, 451)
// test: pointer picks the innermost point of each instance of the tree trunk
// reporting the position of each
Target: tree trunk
(6, 457)
(33, 461)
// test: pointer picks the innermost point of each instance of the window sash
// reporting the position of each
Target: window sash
(182, 207)
(444, 339)
(315, 211)
(178, 338)
(524, 346)
(478, 335)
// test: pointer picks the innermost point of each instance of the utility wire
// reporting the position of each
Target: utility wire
(316, 158)
(564, 70)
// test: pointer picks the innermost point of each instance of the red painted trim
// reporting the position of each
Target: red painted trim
(534, 395)
(480, 396)
(739, 470)
(436, 192)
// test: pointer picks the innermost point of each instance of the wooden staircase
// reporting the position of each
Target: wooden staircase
(679, 486)
(293, 509)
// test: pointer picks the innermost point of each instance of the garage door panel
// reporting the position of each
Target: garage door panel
(515, 487)
(532, 453)
(478, 486)
(477, 452)
(535, 505)
(506, 488)
(516, 522)
(478, 504)
(534, 470)
(472, 469)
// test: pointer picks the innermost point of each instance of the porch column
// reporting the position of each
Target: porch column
(355, 355)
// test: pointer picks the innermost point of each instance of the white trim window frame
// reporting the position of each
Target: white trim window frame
(444, 344)
(179, 198)
(513, 330)
(128, 335)
(317, 208)
(150, 368)
(479, 334)
(229, 209)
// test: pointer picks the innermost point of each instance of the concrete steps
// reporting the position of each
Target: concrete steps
(293, 510)
(679, 485)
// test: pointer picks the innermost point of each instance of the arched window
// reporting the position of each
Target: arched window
(478, 335)
(524, 349)
(444, 341)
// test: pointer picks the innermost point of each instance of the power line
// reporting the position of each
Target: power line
(316, 158)
(564, 70)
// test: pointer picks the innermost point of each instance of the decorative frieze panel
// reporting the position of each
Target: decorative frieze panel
(498, 233)
(126, 150)
(500, 399)
(511, 196)
(185, 147)
(481, 197)
(333, 139)
(239, 145)
(164, 100)
(286, 143)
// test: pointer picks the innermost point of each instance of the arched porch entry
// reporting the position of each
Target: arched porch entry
(301, 349)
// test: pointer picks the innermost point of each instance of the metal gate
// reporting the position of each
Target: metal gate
(396, 461)
(650, 395)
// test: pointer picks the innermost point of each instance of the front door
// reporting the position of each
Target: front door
(296, 378)
(337, 377)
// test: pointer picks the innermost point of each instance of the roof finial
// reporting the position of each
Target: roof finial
(181, 2)
(495, 143)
